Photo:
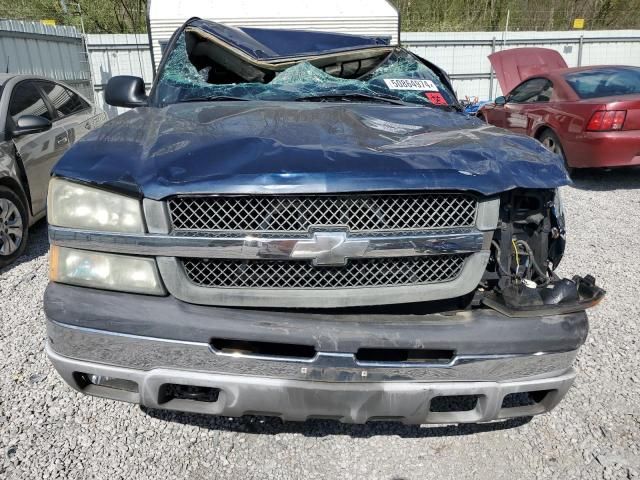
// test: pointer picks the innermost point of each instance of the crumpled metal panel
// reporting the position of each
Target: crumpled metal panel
(289, 147)
(272, 44)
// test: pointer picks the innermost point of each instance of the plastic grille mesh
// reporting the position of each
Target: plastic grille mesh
(377, 272)
(360, 213)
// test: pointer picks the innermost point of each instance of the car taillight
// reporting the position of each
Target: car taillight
(606, 120)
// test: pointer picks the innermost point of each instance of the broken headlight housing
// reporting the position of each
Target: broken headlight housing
(526, 249)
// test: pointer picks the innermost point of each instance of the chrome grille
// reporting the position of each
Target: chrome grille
(297, 213)
(374, 272)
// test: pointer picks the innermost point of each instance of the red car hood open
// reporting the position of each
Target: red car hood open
(517, 64)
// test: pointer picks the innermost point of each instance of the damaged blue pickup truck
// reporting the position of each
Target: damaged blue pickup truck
(305, 225)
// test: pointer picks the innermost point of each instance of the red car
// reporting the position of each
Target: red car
(589, 115)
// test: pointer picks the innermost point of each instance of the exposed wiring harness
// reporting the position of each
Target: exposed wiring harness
(543, 275)
(498, 255)
(529, 253)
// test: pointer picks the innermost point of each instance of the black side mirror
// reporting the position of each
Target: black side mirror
(27, 124)
(500, 100)
(126, 91)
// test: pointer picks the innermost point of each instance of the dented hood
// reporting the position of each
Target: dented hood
(288, 147)
(515, 65)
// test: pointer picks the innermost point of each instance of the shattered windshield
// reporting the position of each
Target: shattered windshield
(398, 77)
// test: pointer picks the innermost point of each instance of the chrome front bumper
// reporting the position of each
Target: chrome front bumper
(297, 400)
(330, 385)
(151, 344)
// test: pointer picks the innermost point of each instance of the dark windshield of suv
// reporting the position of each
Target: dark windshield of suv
(396, 76)
(605, 82)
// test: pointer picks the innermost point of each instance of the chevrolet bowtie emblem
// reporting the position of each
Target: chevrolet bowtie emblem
(330, 248)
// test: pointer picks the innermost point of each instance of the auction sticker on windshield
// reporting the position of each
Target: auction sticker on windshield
(410, 84)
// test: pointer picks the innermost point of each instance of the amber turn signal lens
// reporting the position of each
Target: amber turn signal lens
(54, 259)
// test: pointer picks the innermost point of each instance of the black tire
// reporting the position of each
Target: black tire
(551, 142)
(13, 212)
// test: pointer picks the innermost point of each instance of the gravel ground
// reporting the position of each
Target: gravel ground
(49, 431)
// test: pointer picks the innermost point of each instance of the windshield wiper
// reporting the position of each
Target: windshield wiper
(215, 98)
(336, 97)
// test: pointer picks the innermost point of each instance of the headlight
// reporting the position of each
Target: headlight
(104, 271)
(77, 206)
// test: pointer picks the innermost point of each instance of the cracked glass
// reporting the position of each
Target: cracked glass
(400, 76)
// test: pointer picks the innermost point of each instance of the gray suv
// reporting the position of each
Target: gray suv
(39, 120)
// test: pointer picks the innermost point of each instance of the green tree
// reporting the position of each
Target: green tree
(103, 16)
(128, 16)
(481, 15)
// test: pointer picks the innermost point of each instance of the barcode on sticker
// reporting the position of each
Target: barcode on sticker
(410, 84)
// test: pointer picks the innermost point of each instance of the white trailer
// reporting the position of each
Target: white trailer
(376, 18)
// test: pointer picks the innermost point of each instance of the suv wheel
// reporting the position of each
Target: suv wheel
(14, 226)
